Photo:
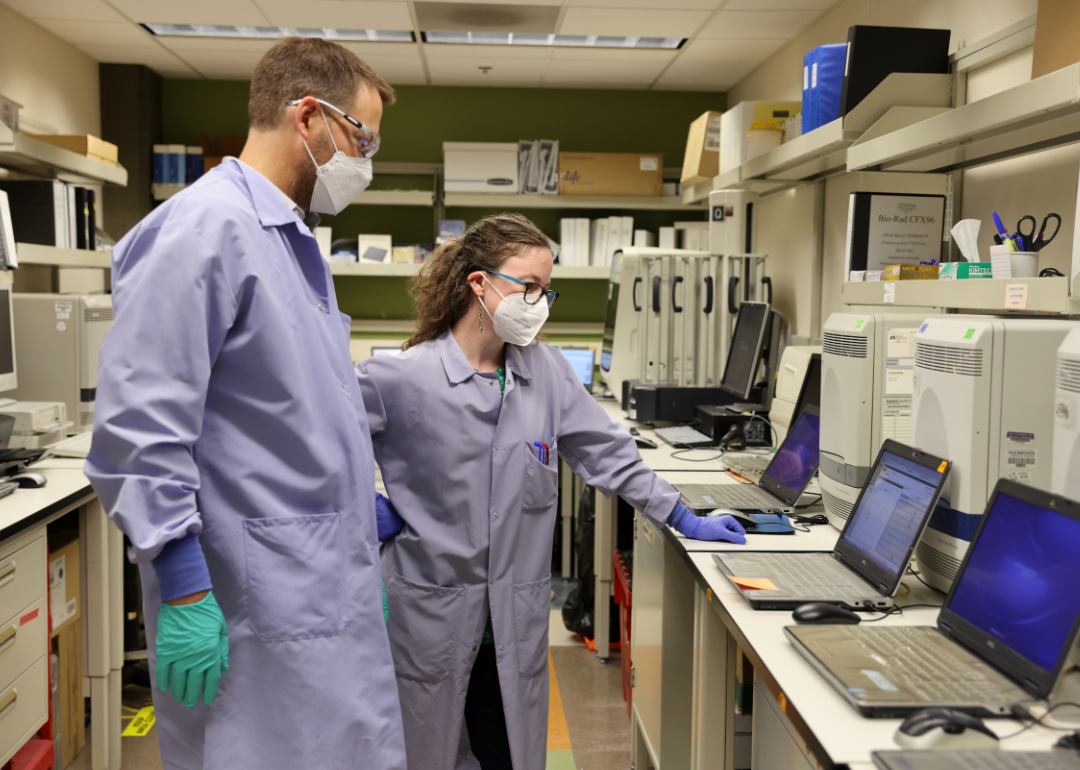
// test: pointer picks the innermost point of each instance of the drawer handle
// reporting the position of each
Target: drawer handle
(7, 703)
(8, 574)
(7, 639)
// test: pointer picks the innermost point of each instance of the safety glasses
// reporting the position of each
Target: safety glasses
(369, 139)
(533, 291)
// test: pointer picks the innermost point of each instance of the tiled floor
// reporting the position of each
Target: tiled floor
(595, 729)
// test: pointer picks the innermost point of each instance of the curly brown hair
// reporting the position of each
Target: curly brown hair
(441, 291)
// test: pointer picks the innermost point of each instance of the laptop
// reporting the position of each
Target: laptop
(873, 551)
(583, 362)
(1002, 637)
(780, 486)
(1058, 759)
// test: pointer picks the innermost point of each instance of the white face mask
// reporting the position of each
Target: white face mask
(516, 321)
(339, 180)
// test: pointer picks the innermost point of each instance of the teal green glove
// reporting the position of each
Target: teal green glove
(385, 605)
(192, 649)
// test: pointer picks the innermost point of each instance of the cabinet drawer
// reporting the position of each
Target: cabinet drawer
(22, 579)
(23, 708)
(22, 641)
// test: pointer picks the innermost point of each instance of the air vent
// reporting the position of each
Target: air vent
(86, 418)
(92, 316)
(944, 358)
(1068, 375)
(836, 506)
(844, 345)
(941, 563)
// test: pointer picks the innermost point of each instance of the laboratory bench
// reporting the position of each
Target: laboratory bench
(688, 624)
(24, 608)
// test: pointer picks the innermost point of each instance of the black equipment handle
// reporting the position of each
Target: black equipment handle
(708, 294)
(674, 286)
(656, 294)
(768, 282)
(633, 294)
(733, 284)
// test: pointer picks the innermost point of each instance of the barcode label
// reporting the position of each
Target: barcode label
(1021, 458)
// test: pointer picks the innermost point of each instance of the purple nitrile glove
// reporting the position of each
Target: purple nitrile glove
(387, 520)
(695, 527)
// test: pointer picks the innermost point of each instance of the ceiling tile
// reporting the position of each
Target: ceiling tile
(100, 33)
(736, 25)
(631, 22)
(702, 76)
(227, 12)
(466, 17)
(157, 59)
(71, 10)
(519, 52)
(223, 65)
(690, 5)
(612, 55)
(182, 45)
(779, 5)
(603, 73)
(336, 14)
(399, 70)
(364, 50)
(455, 71)
(732, 51)
(503, 2)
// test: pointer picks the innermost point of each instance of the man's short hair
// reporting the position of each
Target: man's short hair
(304, 66)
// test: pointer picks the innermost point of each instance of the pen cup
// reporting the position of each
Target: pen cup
(1025, 264)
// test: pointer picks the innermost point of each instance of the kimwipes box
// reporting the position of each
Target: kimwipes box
(911, 273)
(702, 160)
(610, 173)
(887, 229)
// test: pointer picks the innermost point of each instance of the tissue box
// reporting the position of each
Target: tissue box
(910, 273)
(952, 271)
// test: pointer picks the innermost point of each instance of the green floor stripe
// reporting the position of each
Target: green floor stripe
(560, 760)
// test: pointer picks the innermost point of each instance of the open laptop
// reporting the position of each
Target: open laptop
(987, 759)
(780, 486)
(583, 361)
(1002, 637)
(873, 551)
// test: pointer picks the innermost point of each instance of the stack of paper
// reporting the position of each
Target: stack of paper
(608, 236)
(575, 244)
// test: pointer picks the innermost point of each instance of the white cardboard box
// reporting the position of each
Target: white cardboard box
(484, 167)
(375, 248)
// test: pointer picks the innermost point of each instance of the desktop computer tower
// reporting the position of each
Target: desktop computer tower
(57, 343)
(983, 399)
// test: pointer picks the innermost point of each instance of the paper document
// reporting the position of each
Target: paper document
(756, 584)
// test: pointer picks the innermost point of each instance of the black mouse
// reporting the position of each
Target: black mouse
(822, 613)
(941, 728)
(644, 443)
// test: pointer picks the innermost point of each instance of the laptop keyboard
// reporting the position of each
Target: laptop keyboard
(748, 466)
(932, 670)
(738, 496)
(1007, 760)
(810, 574)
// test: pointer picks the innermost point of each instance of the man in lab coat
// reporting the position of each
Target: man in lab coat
(231, 442)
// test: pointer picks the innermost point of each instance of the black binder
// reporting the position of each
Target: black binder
(874, 53)
(38, 211)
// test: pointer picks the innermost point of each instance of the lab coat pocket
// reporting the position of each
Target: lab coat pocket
(296, 576)
(541, 482)
(532, 616)
(423, 628)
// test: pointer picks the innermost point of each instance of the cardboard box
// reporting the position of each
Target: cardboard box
(1055, 37)
(375, 248)
(702, 160)
(911, 273)
(610, 173)
(70, 706)
(480, 167)
(951, 271)
(82, 144)
(63, 580)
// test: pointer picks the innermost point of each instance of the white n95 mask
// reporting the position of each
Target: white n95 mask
(339, 180)
(516, 321)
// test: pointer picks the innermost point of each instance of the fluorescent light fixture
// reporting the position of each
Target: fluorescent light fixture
(272, 33)
(563, 41)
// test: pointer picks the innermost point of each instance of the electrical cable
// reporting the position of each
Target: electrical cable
(917, 577)
(813, 521)
(688, 448)
(1020, 713)
(1051, 272)
(898, 610)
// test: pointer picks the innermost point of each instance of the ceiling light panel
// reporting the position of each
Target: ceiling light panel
(552, 41)
(631, 22)
(270, 33)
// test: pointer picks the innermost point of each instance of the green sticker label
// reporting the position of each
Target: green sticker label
(858, 325)
(970, 333)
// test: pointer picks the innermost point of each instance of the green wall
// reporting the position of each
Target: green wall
(424, 117)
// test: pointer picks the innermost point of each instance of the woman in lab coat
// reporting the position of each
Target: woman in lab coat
(468, 424)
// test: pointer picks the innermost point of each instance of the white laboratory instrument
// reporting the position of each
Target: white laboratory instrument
(58, 341)
(37, 423)
(983, 399)
(1065, 476)
(798, 383)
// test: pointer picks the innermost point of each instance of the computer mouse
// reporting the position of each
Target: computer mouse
(644, 443)
(29, 480)
(744, 518)
(823, 613)
(940, 728)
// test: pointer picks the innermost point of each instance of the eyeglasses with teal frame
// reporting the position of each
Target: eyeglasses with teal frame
(533, 291)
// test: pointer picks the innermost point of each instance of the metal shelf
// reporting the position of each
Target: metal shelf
(1044, 295)
(615, 202)
(409, 269)
(1030, 117)
(816, 154)
(36, 254)
(31, 156)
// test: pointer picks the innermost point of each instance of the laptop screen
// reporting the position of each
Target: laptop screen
(582, 359)
(797, 459)
(892, 510)
(1019, 585)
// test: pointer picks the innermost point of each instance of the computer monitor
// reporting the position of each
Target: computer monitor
(8, 381)
(810, 395)
(744, 355)
(583, 360)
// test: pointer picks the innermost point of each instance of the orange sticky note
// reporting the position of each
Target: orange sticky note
(738, 478)
(757, 584)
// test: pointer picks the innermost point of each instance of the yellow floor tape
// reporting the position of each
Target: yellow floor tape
(141, 723)
(560, 756)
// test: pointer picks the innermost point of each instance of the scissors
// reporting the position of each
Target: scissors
(1034, 242)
